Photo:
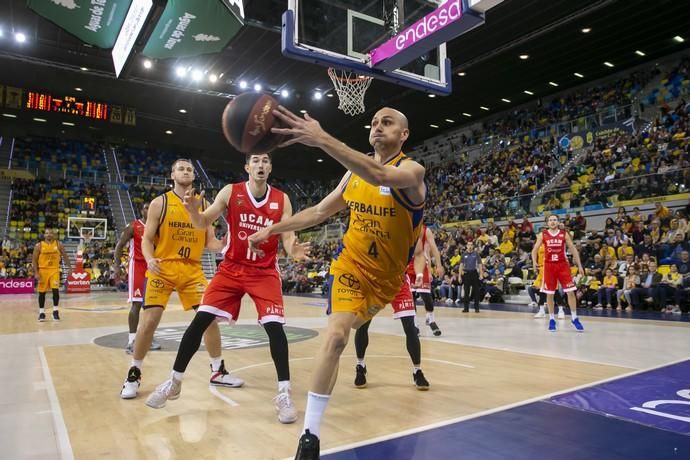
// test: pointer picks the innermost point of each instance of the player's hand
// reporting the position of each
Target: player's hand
(301, 251)
(38, 278)
(305, 130)
(193, 202)
(256, 239)
(581, 271)
(440, 271)
(154, 266)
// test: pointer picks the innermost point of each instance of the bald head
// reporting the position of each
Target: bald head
(402, 119)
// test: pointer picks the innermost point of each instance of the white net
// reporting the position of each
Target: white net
(351, 88)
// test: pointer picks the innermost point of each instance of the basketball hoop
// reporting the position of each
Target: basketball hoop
(351, 88)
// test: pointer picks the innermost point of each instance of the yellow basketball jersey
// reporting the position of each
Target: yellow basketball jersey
(49, 258)
(540, 255)
(177, 239)
(383, 226)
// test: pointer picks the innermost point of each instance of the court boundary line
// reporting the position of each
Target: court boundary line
(441, 424)
(61, 435)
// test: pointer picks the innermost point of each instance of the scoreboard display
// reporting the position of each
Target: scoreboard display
(67, 104)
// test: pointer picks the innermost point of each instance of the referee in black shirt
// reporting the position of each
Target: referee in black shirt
(471, 270)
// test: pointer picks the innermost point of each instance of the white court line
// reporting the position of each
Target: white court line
(214, 391)
(64, 446)
(489, 411)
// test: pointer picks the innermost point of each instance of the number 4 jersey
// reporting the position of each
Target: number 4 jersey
(247, 216)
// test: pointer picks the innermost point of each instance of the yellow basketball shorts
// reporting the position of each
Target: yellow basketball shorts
(49, 279)
(187, 278)
(539, 281)
(355, 290)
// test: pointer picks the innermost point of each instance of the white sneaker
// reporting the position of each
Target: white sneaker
(284, 407)
(449, 302)
(561, 314)
(222, 378)
(131, 386)
(540, 314)
(170, 389)
(532, 304)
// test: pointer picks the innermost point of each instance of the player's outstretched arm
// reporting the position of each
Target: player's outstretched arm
(308, 131)
(152, 223)
(575, 253)
(193, 202)
(126, 235)
(293, 248)
(65, 259)
(309, 217)
(535, 250)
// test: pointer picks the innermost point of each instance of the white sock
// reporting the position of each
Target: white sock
(361, 363)
(415, 369)
(573, 314)
(283, 386)
(130, 337)
(541, 309)
(215, 363)
(41, 310)
(137, 363)
(560, 310)
(430, 316)
(316, 406)
(55, 308)
(551, 316)
(177, 375)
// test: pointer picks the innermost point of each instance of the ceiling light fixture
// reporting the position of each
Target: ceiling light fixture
(461, 74)
(528, 92)
(257, 87)
(147, 63)
(68, 123)
(243, 84)
(434, 126)
(506, 100)
(9, 115)
(213, 78)
(318, 95)
(367, 126)
(180, 71)
(319, 160)
(284, 93)
(524, 57)
(608, 64)
(329, 94)
(679, 39)
(197, 75)
(41, 120)
(84, 69)
(302, 111)
(640, 53)
(466, 114)
(431, 95)
(586, 30)
(553, 83)
(579, 75)
(168, 132)
(450, 121)
(483, 108)
(19, 37)
(182, 111)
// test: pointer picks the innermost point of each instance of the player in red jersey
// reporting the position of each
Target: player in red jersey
(250, 206)
(136, 273)
(419, 273)
(557, 269)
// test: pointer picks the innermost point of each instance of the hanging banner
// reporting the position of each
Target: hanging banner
(96, 22)
(189, 28)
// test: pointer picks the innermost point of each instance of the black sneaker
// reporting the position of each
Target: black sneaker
(308, 447)
(56, 315)
(476, 309)
(420, 382)
(41, 317)
(361, 376)
(465, 310)
(434, 328)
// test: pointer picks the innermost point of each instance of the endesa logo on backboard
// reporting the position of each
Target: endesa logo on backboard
(78, 281)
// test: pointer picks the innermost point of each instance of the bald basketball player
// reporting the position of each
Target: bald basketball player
(385, 193)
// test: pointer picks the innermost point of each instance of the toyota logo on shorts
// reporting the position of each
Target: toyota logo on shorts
(157, 283)
(349, 280)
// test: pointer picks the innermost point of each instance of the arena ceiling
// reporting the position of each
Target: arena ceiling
(548, 31)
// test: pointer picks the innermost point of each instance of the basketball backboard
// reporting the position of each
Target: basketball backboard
(87, 228)
(348, 34)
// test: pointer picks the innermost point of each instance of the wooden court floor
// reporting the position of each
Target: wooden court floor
(63, 400)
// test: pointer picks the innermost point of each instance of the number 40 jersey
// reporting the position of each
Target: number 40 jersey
(247, 216)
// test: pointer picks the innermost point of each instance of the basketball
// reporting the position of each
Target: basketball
(247, 123)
